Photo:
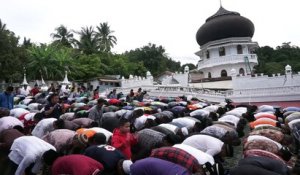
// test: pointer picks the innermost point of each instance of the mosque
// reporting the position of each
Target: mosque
(227, 66)
(225, 41)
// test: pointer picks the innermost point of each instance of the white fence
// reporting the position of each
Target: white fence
(291, 93)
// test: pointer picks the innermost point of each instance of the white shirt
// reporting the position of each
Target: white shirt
(78, 105)
(67, 116)
(17, 112)
(291, 123)
(258, 137)
(205, 143)
(107, 133)
(26, 101)
(124, 112)
(230, 119)
(25, 92)
(201, 156)
(265, 108)
(43, 127)
(139, 122)
(201, 112)
(242, 109)
(212, 108)
(29, 116)
(170, 127)
(186, 122)
(33, 106)
(27, 150)
(9, 122)
(235, 113)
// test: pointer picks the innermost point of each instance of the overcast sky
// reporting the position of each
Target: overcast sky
(170, 23)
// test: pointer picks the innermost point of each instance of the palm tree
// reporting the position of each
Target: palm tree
(63, 36)
(105, 38)
(87, 42)
(27, 43)
(2, 26)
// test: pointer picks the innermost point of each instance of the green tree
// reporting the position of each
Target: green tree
(88, 66)
(63, 36)
(26, 43)
(88, 41)
(50, 61)
(154, 59)
(12, 57)
(105, 38)
(273, 61)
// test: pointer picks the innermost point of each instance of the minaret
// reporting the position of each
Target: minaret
(24, 79)
(43, 82)
(66, 81)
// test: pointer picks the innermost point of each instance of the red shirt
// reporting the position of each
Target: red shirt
(76, 165)
(34, 91)
(123, 142)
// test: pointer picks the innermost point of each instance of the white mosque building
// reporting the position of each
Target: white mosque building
(225, 41)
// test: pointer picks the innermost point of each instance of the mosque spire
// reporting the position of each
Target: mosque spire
(221, 3)
(66, 81)
(24, 79)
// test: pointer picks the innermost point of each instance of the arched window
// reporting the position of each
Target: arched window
(239, 49)
(207, 54)
(242, 71)
(209, 75)
(221, 51)
(223, 73)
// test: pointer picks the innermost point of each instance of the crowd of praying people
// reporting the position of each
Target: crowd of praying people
(79, 131)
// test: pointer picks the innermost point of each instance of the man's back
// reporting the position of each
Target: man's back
(6, 100)
(96, 113)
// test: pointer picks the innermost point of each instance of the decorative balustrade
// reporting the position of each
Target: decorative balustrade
(246, 95)
(227, 60)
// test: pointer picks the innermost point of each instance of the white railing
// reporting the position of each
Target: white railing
(233, 59)
(291, 93)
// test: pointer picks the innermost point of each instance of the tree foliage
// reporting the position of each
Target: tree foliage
(105, 38)
(12, 56)
(90, 57)
(63, 36)
(154, 59)
(272, 61)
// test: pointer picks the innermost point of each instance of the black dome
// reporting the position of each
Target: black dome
(224, 24)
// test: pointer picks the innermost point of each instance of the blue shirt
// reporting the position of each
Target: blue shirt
(6, 100)
(154, 166)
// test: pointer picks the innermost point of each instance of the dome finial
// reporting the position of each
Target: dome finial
(221, 3)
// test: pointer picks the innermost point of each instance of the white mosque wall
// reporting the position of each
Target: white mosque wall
(216, 70)
(227, 60)
(177, 78)
(241, 82)
(136, 82)
(226, 84)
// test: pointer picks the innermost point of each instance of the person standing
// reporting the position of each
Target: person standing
(113, 94)
(35, 90)
(130, 96)
(122, 139)
(25, 90)
(53, 109)
(96, 112)
(6, 98)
